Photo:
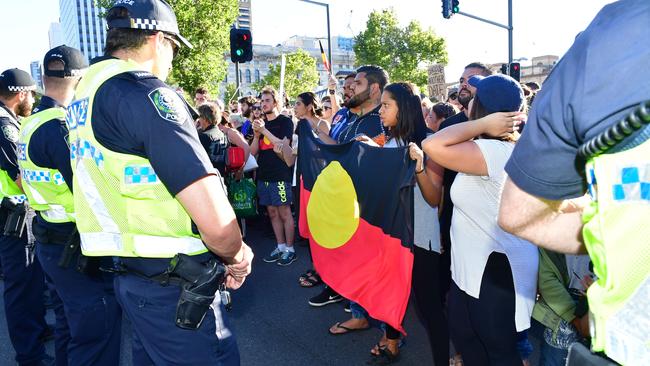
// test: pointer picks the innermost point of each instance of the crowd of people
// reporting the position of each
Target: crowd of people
(465, 265)
(477, 287)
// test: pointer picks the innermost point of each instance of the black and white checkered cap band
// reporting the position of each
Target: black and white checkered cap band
(16, 89)
(152, 24)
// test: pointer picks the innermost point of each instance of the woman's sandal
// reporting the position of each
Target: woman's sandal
(385, 357)
(310, 279)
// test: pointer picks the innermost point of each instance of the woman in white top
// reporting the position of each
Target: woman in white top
(494, 273)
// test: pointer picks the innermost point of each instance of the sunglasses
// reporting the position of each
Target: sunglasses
(176, 46)
(256, 108)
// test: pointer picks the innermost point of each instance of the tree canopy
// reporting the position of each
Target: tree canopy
(300, 74)
(206, 24)
(404, 52)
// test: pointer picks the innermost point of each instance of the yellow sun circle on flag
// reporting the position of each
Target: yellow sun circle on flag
(267, 141)
(333, 210)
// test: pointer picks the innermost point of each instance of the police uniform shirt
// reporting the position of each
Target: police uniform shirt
(10, 131)
(600, 80)
(48, 148)
(127, 118)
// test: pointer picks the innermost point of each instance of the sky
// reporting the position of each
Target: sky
(540, 27)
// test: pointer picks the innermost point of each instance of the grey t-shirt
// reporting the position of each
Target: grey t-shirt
(600, 80)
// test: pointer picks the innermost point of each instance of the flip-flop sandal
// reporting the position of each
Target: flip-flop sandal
(377, 348)
(385, 357)
(347, 330)
(308, 273)
(311, 281)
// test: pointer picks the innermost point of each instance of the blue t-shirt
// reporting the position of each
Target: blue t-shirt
(127, 119)
(48, 148)
(601, 79)
(339, 122)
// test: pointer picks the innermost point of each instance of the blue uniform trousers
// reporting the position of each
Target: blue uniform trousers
(92, 313)
(24, 285)
(151, 308)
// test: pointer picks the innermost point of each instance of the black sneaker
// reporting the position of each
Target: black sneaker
(347, 308)
(328, 296)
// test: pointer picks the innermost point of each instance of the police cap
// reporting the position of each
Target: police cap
(148, 15)
(16, 80)
(73, 61)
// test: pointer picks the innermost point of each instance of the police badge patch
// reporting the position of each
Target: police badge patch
(168, 105)
(10, 132)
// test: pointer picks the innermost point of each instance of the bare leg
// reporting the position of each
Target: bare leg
(288, 223)
(276, 223)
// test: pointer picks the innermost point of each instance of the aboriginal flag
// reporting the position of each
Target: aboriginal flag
(356, 209)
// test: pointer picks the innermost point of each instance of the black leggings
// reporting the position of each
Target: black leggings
(426, 288)
(483, 330)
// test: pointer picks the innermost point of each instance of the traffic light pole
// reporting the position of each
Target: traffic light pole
(237, 79)
(508, 27)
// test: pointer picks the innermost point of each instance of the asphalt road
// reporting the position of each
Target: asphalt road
(275, 325)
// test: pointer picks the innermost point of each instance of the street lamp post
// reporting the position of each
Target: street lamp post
(329, 38)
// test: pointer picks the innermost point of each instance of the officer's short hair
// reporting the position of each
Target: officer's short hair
(124, 38)
(272, 92)
(374, 75)
(6, 94)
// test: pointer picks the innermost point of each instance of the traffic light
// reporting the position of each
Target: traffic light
(455, 6)
(515, 70)
(446, 9)
(504, 69)
(241, 45)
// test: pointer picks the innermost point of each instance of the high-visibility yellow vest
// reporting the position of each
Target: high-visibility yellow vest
(617, 237)
(45, 188)
(122, 207)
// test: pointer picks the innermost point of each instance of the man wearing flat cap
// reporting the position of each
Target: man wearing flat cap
(44, 160)
(145, 193)
(23, 276)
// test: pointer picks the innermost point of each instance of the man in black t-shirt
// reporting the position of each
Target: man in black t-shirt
(274, 176)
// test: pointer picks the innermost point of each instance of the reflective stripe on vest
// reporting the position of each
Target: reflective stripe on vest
(45, 188)
(123, 209)
(617, 237)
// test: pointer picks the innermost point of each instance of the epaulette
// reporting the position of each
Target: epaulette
(5, 114)
(138, 75)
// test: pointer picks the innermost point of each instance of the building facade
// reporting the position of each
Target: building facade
(245, 18)
(37, 73)
(265, 56)
(539, 68)
(82, 27)
(55, 35)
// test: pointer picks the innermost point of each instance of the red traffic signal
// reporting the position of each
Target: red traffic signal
(515, 70)
(241, 45)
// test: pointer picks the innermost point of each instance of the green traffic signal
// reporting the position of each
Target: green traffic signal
(239, 52)
(455, 6)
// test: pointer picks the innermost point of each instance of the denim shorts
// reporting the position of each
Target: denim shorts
(274, 193)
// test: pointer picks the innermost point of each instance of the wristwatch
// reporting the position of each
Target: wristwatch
(332, 91)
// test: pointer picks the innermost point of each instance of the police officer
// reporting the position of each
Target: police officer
(587, 114)
(144, 190)
(24, 281)
(44, 159)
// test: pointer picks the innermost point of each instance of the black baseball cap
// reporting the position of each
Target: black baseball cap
(17, 80)
(74, 62)
(155, 15)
